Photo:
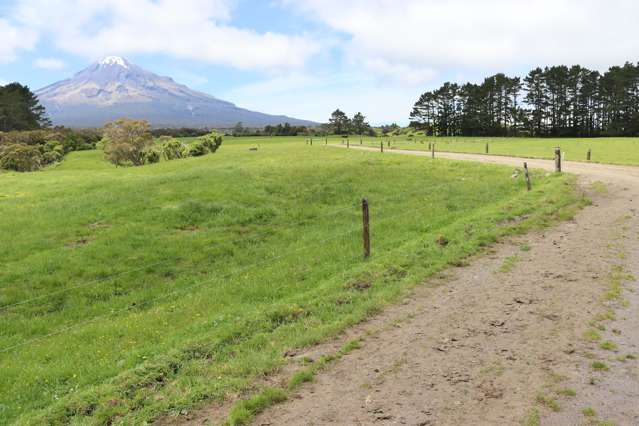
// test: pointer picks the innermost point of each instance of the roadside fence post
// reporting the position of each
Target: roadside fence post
(366, 229)
(558, 160)
(527, 176)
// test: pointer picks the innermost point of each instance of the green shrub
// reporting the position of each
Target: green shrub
(51, 157)
(101, 144)
(127, 141)
(212, 141)
(198, 148)
(20, 157)
(152, 156)
(172, 149)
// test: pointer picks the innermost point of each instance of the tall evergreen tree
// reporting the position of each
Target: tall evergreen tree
(554, 101)
(339, 122)
(20, 109)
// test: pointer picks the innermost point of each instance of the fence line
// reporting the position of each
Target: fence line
(158, 263)
(196, 285)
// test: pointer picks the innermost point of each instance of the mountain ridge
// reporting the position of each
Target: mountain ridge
(114, 87)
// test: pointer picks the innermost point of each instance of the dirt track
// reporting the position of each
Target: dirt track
(483, 346)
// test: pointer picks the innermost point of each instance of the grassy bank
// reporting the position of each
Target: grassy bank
(134, 292)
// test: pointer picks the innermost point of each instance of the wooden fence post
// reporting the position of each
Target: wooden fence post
(486, 147)
(588, 156)
(325, 140)
(311, 141)
(527, 176)
(429, 146)
(366, 229)
(558, 160)
(432, 151)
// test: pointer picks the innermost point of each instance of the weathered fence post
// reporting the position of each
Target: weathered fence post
(360, 139)
(558, 160)
(326, 141)
(366, 229)
(589, 154)
(381, 146)
(486, 147)
(527, 176)
(429, 146)
(432, 151)
(348, 143)
(311, 141)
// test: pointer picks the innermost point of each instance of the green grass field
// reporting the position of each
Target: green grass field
(130, 293)
(624, 151)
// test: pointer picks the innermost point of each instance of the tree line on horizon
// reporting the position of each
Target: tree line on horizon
(558, 101)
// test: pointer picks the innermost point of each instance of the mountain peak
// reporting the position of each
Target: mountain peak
(114, 60)
(114, 87)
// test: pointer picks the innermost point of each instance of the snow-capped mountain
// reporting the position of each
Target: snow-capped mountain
(113, 88)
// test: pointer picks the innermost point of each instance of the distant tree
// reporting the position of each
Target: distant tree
(390, 128)
(20, 109)
(552, 101)
(126, 141)
(339, 122)
(238, 129)
(359, 124)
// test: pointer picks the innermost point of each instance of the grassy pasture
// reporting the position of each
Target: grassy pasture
(624, 151)
(128, 293)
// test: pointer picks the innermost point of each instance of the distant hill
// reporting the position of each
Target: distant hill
(113, 88)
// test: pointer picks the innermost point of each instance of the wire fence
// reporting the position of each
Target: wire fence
(356, 227)
(381, 220)
(295, 225)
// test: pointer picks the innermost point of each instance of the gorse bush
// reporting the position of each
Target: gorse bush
(127, 142)
(47, 146)
(198, 148)
(20, 158)
(212, 141)
(152, 156)
(172, 149)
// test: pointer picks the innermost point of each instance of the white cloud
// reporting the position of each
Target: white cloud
(14, 38)
(52, 64)
(315, 97)
(427, 36)
(189, 29)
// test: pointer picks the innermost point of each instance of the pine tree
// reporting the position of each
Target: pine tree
(20, 109)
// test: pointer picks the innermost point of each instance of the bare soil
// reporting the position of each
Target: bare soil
(490, 344)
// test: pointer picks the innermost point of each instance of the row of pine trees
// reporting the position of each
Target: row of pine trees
(555, 101)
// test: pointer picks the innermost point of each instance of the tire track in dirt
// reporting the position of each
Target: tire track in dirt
(482, 346)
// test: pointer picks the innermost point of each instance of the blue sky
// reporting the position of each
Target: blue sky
(304, 58)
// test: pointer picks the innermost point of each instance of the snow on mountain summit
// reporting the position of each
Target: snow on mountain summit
(114, 60)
